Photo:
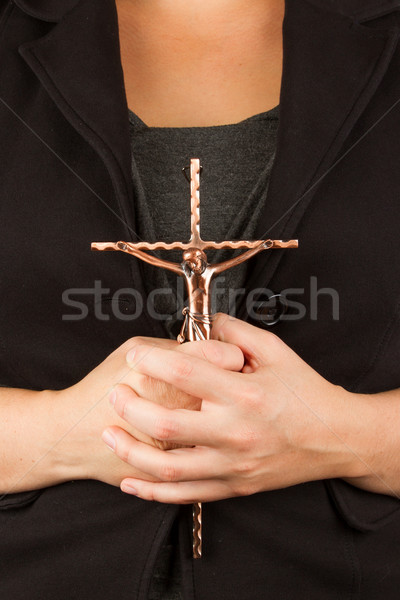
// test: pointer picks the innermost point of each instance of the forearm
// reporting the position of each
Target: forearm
(375, 442)
(50, 437)
(31, 427)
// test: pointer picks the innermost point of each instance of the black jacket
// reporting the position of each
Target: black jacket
(65, 181)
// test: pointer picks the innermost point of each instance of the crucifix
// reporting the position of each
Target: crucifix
(198, 274)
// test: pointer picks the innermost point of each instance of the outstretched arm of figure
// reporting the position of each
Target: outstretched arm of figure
(144, 256)
(232, 262)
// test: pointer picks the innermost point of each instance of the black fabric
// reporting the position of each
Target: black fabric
(48, 10)
(64, 81)
(166, 581)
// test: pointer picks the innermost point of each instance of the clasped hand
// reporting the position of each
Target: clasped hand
(268, 421)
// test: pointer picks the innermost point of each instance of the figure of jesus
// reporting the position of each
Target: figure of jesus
(198, 274)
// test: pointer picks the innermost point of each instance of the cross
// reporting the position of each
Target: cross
(198, 274)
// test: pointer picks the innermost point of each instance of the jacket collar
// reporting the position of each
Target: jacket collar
(46, 10)
(332, 68)
(358, 9)
(78, 63)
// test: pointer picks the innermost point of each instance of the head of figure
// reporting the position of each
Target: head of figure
(195, 259)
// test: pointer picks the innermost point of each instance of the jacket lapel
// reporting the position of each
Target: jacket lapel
(332, 68)
(79, 65)
(46, 10)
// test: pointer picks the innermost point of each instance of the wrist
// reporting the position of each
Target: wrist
(67, 454)
(339, 442)
(355, 435)
(377, 443)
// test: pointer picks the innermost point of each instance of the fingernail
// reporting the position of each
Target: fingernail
(108, 439)
(112, 397)
(129, 489)
(130, 357)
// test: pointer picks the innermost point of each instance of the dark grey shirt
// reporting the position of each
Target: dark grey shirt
(236, 160)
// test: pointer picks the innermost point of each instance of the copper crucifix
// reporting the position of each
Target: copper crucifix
(198, 274)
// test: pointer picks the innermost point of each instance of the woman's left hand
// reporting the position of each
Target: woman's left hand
(275, 424)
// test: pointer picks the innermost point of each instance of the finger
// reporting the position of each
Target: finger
(152, 341)
(180, 426)
(160, 392)
(188, 373)
(183, 464)
(189, 492)
(163, 342)
(255, 343)
(225, 356)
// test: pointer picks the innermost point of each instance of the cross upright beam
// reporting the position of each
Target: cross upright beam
(196, 240)
(195, 237)
(198, 274)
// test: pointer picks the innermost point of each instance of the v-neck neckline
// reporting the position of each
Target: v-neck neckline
(272, 114)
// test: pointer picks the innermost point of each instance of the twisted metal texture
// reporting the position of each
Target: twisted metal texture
(197, 530)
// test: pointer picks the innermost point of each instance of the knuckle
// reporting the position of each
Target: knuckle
(125, 453)
(124, 411)
(245, 483)
(141, 351)
(274, 344)
(213, 353)
(122, 390)
(168, 472)
(165, 445)
(202, 350)
(132, 343)
(244, 489)
(181, 369)
(137, 340)
(243, 439)
(252, 396)
(165, 429)
(143, 383)
(123, 404)
(150, 495)
(243, 468)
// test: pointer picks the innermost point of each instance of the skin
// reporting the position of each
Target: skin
(51, 437)
(284, 424)
(203, 62)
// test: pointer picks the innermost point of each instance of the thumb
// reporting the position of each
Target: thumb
(258, 346)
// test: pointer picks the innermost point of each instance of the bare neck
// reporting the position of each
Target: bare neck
(203, 62)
